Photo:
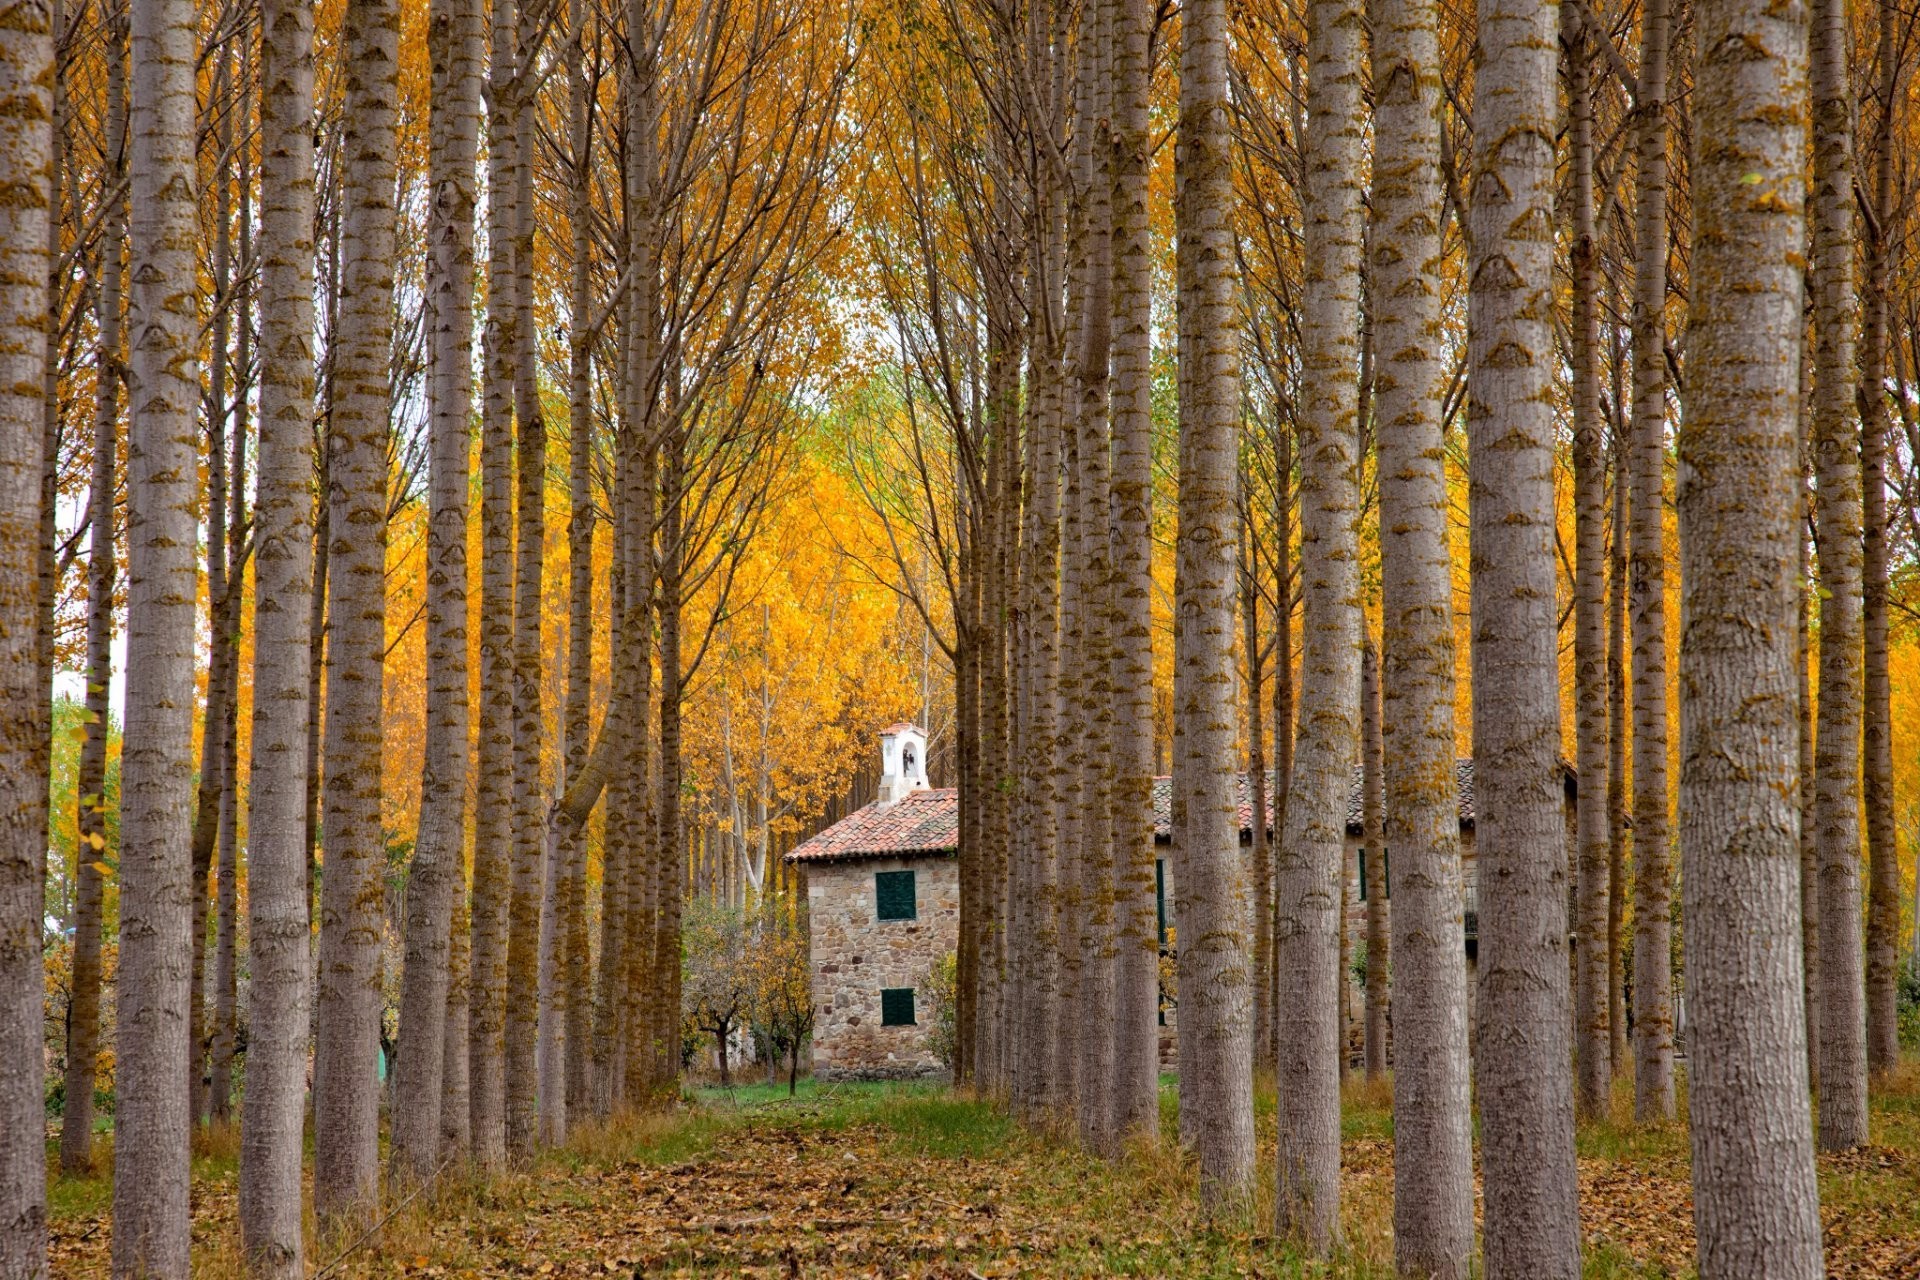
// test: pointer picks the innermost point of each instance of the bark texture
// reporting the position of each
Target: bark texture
(1837, 519)
(1532, 1224)
(346, 1113)
(1432, 1084)
(1136, 1099)
(437, 875)
(1216, 994)
(26, 171)
(1756, 1204)
(1653, 1097)
(273, 1104)
(150, 1167)
(1592, 1056)
(1309, 867)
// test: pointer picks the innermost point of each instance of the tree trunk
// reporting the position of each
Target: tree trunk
(571, 964)
(1532, 1224)
(1836, 443)
(1260, 848)
(226, 977)
(493, 796)
(26, 75)
(1035, 1088)
(346, 1103)
(1372, 823)
(1432, 1086)
(150, 1218)
(530, 457)
(1756, 1203)
(1592, 1055)
(1216, 997)
(273, 1104)
(437, 874)
(1312, 856)
(1883, 851)
(83, 1020)
(1809, 832)
(1653, 1097)
(1093, 710)
(213, 719)
(1617, 837)
(1283, 575)
(456, 1113)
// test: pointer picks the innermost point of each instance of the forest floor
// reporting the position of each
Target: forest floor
(912, 1181)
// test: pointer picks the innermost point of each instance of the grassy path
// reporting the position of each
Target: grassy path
(906, 1181)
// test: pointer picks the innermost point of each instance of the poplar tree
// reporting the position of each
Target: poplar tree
(151, 1118)
(346, 1098)
(436, 876)
(26, 165)
(1432, 1086)
(1216, 997)
(1837, 518)
(273, 1104)
(1310, 865)
(1525, 1091)
(1755, 1198)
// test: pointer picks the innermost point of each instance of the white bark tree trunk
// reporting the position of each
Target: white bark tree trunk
(26, 169)
(1216, 990)
(437, 877)
(1755, 1203)
(1311, 860)
(1532, 1224)
(273, 1103)
(150, 1215)
(346, 1100)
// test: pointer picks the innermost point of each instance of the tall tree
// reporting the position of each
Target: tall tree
(1836, 457)
(530, 458)
(436, 878)
(493, 760)
(1756, 1203)
(1312, 854)
(346, 1116)
(1532, 1224)
(83, 1020)
(1373, 802)
(150, 1166)
(1653, 1097)
(1136, 1035)
(1089, 561)
(1592, 1053)
(1432, 1123)
(273, 1105)
(1216, 997)
(26, 164)
(1883, 847)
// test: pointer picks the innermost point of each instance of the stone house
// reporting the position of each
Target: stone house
(883, 905)
(883, 895)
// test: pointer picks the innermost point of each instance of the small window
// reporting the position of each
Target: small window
(896, 1005)
(893, 896)
(1386, 865)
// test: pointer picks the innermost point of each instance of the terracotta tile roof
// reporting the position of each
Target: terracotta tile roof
(902, 726)
(921, 822)
(929, 821)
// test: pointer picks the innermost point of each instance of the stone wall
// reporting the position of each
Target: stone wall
(856, 955)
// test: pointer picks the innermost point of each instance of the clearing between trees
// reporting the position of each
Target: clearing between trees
(912, 1180)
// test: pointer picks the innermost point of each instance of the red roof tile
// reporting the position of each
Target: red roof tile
(920, 822)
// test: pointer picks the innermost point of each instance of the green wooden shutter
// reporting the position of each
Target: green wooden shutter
(1160, 896)
(896, 1005)
(894, 896)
